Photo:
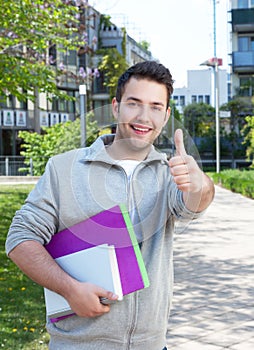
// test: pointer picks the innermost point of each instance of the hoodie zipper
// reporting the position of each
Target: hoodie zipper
(132, 297)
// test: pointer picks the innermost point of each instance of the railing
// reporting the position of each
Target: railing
(12, 165)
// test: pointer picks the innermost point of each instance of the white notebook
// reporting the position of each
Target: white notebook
(97, 265)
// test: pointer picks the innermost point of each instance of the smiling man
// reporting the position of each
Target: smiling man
(121, 168)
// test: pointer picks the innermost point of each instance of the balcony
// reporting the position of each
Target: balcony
(243, 20)
(243, 61)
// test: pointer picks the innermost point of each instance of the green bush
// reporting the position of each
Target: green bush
(240, 181)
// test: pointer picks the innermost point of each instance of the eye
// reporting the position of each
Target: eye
(132, 104)
(156, 108)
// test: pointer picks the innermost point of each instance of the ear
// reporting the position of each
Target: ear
(115, 108)
(167, 115)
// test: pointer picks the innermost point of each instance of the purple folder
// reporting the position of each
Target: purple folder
(112, 226)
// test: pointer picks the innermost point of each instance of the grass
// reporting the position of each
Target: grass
(22, 308)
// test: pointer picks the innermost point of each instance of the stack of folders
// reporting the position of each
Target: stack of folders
(102, 250)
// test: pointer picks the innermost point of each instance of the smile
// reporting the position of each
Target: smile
(140, 129)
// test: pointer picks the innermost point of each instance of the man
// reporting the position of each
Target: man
(121, 168)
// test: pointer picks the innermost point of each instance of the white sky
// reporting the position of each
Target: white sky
(180, 32)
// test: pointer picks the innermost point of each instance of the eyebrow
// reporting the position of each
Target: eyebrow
(138, 100)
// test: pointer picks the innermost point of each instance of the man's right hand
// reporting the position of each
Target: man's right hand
(84, 299)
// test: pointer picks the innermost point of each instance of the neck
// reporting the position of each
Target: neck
(121, 150)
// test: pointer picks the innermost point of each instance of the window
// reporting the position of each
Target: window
(207, 99)
(175, 98)
(52, 55)
(193, 99)
(246, 86)
(242, 4)
(182, 100)
(60, 105)
(70, 58)
(243, 43)
(252, 44)
(246, 43)
(7, 101)
(200, 99)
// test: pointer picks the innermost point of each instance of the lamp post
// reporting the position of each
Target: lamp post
(215, 63)
(82, 98)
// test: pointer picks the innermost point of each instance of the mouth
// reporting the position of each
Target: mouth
(140, 129)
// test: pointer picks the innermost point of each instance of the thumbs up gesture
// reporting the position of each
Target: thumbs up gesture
(184, 169)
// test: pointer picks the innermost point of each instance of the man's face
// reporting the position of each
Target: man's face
(142, 113)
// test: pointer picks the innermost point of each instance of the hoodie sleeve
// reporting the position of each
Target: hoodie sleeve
(38, 218)
(177, 205)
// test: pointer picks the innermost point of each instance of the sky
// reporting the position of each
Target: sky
(180, 32)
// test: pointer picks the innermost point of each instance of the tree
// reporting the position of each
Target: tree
(248, 130)
(112, 64)
(30, 32)
(59, 138)
(238, 108)
(199, 119)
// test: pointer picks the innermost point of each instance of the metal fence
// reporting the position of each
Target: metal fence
(15, 165)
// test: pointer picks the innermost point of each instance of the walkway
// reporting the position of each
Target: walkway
(213, 304)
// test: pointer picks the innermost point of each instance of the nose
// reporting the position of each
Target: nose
(144, 112)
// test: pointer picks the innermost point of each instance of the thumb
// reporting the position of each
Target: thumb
(180, 149)
(105, 294)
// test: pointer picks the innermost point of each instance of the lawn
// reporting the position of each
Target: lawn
(22, 309)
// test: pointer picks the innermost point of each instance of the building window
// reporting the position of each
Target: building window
(52, 55)
(61, 105)
(252, 44)
(70, 58)
(182, 100)
(200, 99)
(7, 101)
(207, 99)
(193, 99)
(246, 86)
(175, 98)
(242, 4)
(243, 43)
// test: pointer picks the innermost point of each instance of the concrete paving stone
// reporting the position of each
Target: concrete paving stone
(245, 345)
(235, 317)
(221, 338)
(194, 345)
(189, 332)
(214, 277)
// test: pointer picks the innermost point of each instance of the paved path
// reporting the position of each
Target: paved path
(213, 304)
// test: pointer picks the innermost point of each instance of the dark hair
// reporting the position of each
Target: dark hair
(150, 70)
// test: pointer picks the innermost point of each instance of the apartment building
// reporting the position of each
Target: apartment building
(200, 88)
(242, 44)
(15, 116)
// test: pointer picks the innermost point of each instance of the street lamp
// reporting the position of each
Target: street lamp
(82, 98)
(215, 63)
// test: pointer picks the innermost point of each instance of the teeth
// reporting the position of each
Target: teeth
(140, 129)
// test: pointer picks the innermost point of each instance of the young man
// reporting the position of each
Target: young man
(120, 168)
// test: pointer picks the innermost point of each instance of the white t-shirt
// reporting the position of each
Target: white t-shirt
(129, 166)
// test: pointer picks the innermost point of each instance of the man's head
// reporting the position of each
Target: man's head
(141, 108)
(149, 70)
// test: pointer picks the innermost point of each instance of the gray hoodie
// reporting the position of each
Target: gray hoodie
(81, 183)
